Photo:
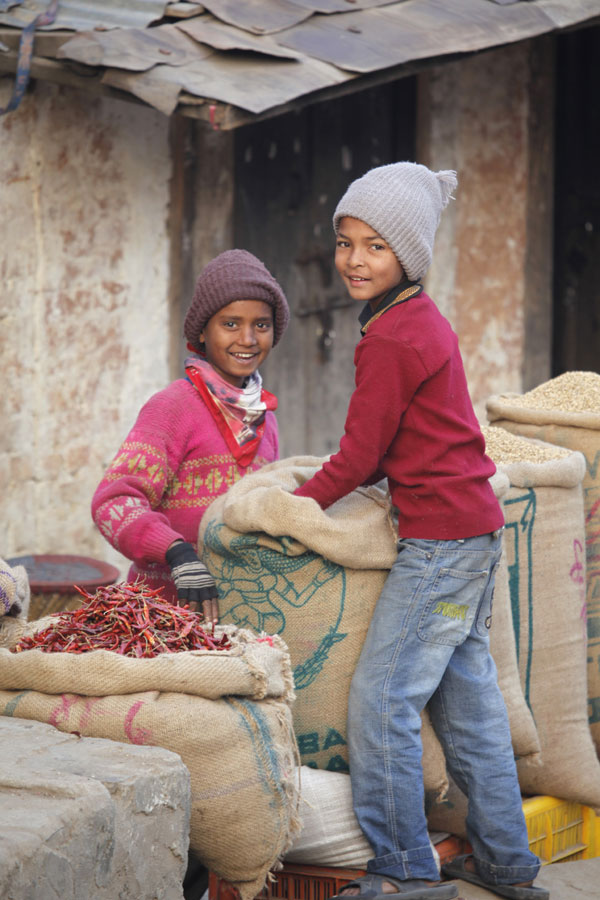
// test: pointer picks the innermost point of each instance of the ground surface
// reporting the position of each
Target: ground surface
(578, 880)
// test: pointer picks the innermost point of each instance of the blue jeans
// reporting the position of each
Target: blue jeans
(428, 642)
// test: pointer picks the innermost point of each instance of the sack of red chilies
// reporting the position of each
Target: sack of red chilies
(128, 618)
(129, 666)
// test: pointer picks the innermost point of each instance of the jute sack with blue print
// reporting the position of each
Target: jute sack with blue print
(544, 545)
(236, 740)
(565, 411)
(545, 549)
(545, 562)
(284, 566)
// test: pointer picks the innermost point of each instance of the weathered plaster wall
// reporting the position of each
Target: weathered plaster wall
(101, 247)
(490, 118)
(84, 193)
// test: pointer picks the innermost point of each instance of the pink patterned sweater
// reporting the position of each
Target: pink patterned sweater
(171, 466)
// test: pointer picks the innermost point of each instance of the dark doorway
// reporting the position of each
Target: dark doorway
(576, 343)
(290, 173)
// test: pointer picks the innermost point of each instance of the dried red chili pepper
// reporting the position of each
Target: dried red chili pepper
(127, 618)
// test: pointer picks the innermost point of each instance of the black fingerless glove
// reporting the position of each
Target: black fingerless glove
(193, 581)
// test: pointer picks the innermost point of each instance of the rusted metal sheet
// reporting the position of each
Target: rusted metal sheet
(211, 31)
(183, 10)
(562, 13)
(257, 85)
(334, 6)
(83, 15)
(241, 52)
(153, 87)
(374, 39)
(258, 16)
(136, 49)
(253, 85)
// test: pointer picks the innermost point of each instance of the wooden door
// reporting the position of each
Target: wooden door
(290, 173)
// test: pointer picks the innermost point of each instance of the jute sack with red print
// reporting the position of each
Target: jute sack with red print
(238, 745)
(284, 566)
(545, 540)
(565, 411)
(543, 548)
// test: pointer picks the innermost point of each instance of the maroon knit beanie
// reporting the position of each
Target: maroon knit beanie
(234, 275)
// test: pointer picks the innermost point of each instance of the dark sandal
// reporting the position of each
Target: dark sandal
(456, 869)
(370, 887)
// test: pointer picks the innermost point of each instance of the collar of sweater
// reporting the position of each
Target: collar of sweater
(399, 294)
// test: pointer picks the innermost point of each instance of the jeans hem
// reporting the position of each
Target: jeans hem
(493, 874)
(419, 862)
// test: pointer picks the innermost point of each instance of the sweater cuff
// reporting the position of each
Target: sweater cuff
(153, 545)
(305, 491)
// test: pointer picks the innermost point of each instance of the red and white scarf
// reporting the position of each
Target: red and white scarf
(239, 413)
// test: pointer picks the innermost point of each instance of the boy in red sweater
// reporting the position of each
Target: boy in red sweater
(411, 420)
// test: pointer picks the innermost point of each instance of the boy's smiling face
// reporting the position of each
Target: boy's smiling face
(366, 263)
(238, 338)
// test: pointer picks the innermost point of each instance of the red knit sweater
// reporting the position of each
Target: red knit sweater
(171, 466)
(411, 419)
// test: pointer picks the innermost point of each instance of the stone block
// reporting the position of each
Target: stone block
(88, 818)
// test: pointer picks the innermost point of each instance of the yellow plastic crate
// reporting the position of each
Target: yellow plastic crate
(560, 830)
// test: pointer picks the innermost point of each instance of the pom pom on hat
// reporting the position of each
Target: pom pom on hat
(233, 275)
(403, 203)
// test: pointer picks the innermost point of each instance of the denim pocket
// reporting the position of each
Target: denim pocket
(448, 615)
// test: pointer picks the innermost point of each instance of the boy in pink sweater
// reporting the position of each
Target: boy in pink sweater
(411, 421)
(194, 439)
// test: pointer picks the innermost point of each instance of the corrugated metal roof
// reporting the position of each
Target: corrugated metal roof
(374, 39)
(81, 15)
(258, 55)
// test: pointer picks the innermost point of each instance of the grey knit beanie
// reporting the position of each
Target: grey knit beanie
(403, 203)
(234, 275)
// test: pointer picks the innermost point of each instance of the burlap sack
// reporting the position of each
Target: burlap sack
(285, 566)
(252, 668)
(524, 736)
(448, 813)
(544, 532)
(239, 748)
(578, 431)
(544, 542)
(544, 538)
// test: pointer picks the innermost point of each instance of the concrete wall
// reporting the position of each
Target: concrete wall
(84, 336)
(104, 233)
(490, 118)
